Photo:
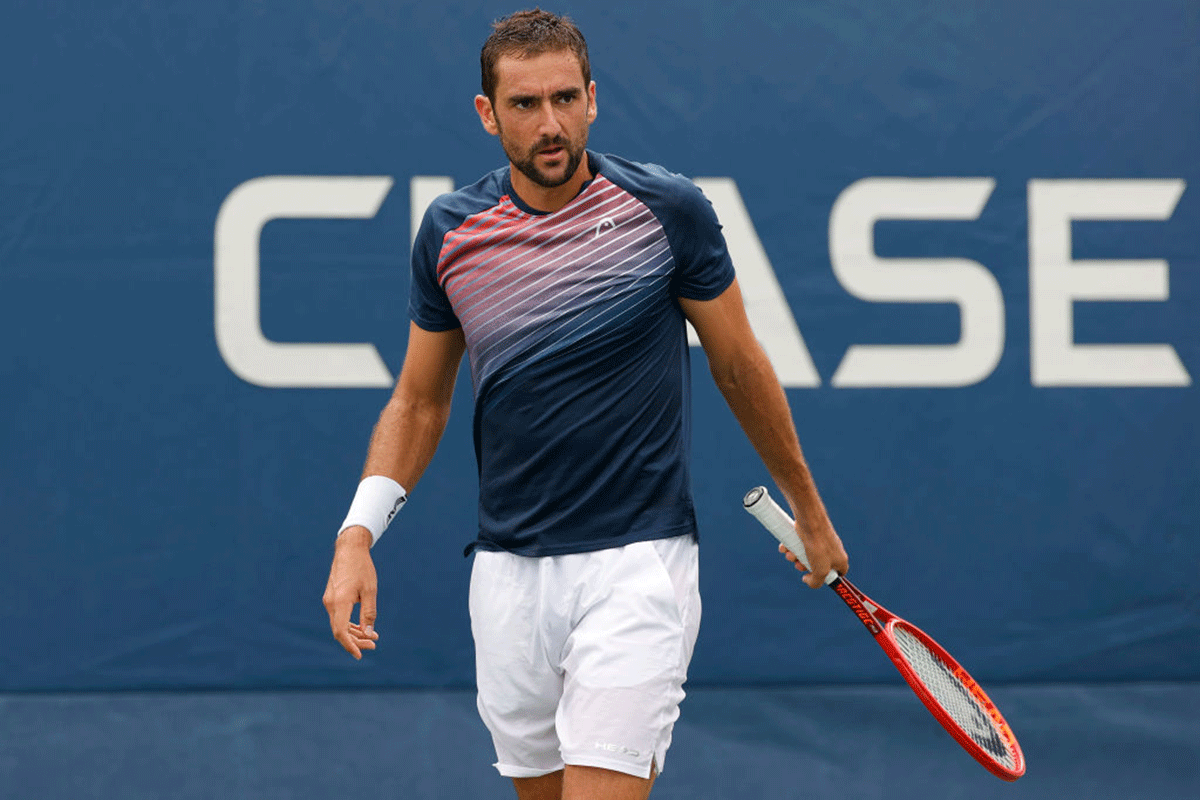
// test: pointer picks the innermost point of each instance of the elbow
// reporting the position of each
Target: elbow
(439, 416)
(729, 377)
(423, 411)
(745, 372)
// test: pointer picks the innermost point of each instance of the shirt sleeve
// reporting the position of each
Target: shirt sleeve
(428, 305)
(703, 268)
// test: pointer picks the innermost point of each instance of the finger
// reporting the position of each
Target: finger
(820, 571)
(789, 555)
(348, 643)
(339, 623)
(366, 611)
(360, 631)
(363, 644)
(338, 601)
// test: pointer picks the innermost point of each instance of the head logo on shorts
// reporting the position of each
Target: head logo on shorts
(616, 748)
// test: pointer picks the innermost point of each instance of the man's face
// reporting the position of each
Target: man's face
(541, 113)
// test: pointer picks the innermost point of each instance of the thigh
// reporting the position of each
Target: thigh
(519, 685)
(584, 783)
(543, 787)
(626, 658)
(588, 783)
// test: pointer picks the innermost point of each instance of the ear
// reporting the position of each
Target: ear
(591, 93)
(487, 114)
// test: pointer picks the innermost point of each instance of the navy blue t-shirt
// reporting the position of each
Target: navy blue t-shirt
(578, 350)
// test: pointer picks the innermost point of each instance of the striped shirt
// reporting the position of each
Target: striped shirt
(578, 350)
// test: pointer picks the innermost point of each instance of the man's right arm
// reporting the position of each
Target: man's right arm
(412, 422)
(402, 445)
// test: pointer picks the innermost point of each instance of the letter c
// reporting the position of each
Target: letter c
(240, 221)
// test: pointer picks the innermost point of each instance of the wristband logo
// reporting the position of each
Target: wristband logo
(399, 504)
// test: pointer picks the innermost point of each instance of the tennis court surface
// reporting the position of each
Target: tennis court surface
(1094, 742)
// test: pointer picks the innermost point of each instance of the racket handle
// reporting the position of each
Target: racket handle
(764, 509)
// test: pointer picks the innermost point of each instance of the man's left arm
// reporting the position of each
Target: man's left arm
(747, 380)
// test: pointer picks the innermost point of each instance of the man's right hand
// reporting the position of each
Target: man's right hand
(352, 580)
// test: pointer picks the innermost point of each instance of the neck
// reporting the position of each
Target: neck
(549, 199)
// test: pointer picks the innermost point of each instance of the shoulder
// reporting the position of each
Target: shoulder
(667, 193)
(449, 210)
(689, 223)
(637, 177)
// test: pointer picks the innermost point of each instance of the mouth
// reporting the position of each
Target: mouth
(552, 152)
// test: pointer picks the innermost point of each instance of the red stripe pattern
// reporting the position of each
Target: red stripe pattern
(526, 286)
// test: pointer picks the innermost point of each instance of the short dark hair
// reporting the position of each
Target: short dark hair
(530, 33)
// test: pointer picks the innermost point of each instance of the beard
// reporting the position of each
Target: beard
(527, 162)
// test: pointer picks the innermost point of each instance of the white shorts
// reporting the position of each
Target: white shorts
(581, 659)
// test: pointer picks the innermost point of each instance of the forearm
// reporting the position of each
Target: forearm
(759, 403)
(402, 445)
(411, 424)
(745, 376)
(405, 439)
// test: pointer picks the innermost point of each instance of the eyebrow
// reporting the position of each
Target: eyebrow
(572, 92)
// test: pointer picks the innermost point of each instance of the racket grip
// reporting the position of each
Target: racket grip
(763, 508)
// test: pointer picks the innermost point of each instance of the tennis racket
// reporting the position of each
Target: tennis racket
(950, 694)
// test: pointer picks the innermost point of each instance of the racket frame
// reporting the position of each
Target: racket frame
(882, 624)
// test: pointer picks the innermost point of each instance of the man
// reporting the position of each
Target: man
(566, 278)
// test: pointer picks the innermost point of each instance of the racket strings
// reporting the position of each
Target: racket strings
(954, 697)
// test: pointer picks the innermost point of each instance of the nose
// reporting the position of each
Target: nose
(548, 123)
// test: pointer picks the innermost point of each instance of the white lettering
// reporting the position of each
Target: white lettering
(247, 352)
(1056, 282)
(916, 280)
(423, 190)
(770, 315)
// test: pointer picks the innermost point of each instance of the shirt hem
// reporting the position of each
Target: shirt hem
(538, 551)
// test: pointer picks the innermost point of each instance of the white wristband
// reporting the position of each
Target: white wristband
(375, 503)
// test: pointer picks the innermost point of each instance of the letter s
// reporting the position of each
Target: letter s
(967, 283)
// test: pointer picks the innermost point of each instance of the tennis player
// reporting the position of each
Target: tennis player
(566, 277)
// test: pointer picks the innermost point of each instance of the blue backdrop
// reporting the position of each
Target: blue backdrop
(169, 520)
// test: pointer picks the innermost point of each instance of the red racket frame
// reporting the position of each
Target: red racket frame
(882, 624)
